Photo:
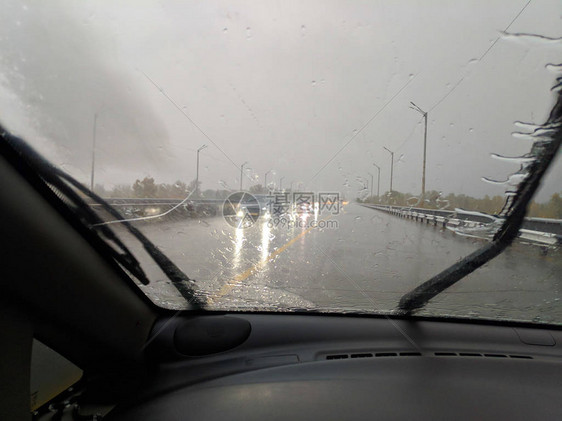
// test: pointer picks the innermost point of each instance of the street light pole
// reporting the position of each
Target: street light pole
(93, 153)
(391, 165)
(197, 174)
(378, 180)
(265, 179)
(242, 173)
(281, 183)
(372, 182)
(424, 113)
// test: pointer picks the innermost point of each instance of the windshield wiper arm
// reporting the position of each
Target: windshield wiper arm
(60, 182)
(179, 279)
(419, 296)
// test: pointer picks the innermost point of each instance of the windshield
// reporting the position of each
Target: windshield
(317, 156)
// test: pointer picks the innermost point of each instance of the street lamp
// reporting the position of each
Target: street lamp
(378, 180)
(102, 108)
(197, 173)
(93, 153)
(424, 113)
(372, 182)
(265, 179)
(391, 165)
(242, 173)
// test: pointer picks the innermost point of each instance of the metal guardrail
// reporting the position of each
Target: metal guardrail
(154, 201)
(537, 230)
(553, 226)
(139, 207)
(142, 207)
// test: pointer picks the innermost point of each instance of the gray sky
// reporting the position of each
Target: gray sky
(283, 85)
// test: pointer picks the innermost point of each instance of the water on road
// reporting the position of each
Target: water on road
(361, 260)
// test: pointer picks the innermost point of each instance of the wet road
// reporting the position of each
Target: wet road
(359, 260)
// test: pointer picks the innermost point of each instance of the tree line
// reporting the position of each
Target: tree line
(491, 205)
(148, 188)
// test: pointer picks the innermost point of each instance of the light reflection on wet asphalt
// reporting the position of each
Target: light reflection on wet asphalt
(278, 268)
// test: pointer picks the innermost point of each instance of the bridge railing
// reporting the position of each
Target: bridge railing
(537, 230)
(142, 207)
(156, 201)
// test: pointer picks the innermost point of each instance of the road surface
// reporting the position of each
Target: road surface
(363, 260)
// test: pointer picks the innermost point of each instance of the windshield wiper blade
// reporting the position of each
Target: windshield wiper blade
(61, 183)
(546, 152)
(90, 219)
(179, 279)
(46, 174)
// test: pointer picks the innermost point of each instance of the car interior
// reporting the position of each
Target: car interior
(80, 337)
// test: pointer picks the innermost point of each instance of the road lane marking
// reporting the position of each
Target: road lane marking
(229, 286)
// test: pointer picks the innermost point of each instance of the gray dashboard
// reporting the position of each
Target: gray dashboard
(326, 367)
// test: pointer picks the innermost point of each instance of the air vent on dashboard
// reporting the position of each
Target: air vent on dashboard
(337, 356)
(371, 355)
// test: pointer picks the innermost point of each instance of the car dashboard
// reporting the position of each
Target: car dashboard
(289, 366)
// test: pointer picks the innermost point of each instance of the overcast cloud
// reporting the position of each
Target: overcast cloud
(282, 85)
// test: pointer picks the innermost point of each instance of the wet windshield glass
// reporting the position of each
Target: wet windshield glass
(321, 156)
